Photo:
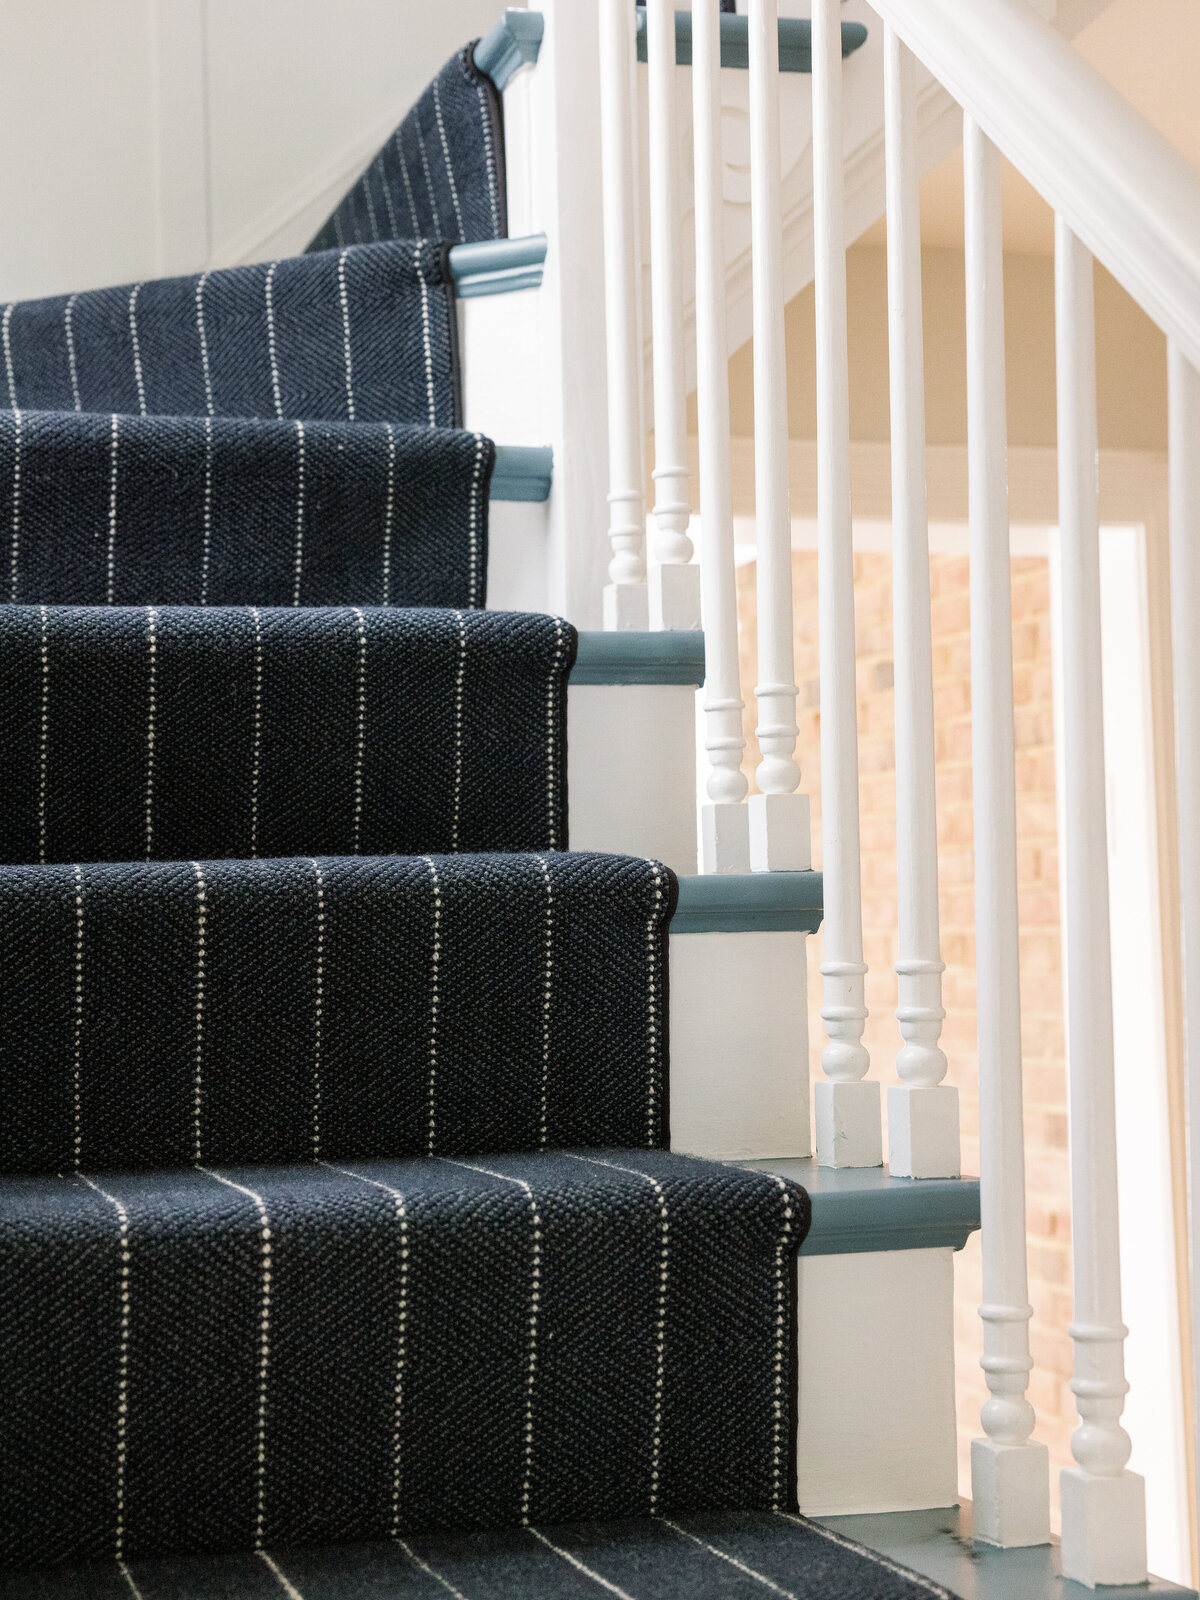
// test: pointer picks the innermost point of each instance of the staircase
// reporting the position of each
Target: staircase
(406, 1173)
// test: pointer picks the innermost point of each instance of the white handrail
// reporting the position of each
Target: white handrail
(1123, 189)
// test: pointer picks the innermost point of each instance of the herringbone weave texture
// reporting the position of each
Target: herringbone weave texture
(223, 1357)
(169, 1012)
(215, 511)
(360, 335)
(440, 175)
(178, 732)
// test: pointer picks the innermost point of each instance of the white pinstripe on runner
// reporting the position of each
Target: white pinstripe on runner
(437, 107)
(318, 1009)
(552, 738)
(402, 1331)
(344, 300)
(200, 329)
(434, 1000)
(387, 515)
(433, 205)
(114, 434)
(660, 1322)
(69, 335)
(6, 339)
(535, 1296)
(733, 1561)
(264, 1347)
(43, 740)
(151, 712)
(284, 1582)
(137, 348)
(473, 520)
(256, 746)
(77, 1039)
(14, 558)
(579, 1566)
(427, 338)
(386, 190)
(458, 726)
(299, 562)
(429, 1572)
(122, 1363)
(930, 1588)
(652, 998)
(206, 545)
(128, 1576)
(272, 351)
(547, 995)
(485, 120)
(408, 193)
(366, 189)
(360, 736)
(201, 956)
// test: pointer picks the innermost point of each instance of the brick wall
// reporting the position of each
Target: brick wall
(1041, 978)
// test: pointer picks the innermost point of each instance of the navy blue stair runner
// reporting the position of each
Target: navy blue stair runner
(342, 1253)
(183, 731)
(160, 1013)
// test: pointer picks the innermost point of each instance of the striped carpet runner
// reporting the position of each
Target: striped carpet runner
(342, 1252)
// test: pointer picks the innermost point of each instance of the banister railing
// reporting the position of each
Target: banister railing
(1121, 194)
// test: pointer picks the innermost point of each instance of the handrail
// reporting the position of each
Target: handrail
(1123, 189)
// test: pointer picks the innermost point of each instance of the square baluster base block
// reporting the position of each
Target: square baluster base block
(848, 1124)
(923, 1132)
(674, 599)
(1010, 1486)
(725, 837)
(1103, 1528)
(626, 608)
(780, 833)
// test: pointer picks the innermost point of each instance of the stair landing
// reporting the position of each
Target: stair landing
(939, 1545)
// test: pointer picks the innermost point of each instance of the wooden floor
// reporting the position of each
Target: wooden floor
(939, 1545)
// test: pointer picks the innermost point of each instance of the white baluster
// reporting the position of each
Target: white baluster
(1010, 1475)
(1103, 1505)
(625, 596)
(674, 584)
(1184, 387)
(847, 1106)
(725, 841)
(922, 1111)
(779, 821)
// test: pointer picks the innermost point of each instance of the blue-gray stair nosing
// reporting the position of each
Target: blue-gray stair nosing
(625, 658)
(857, 1210)
(751, 902)
(497, 266)
(522, 472)
(513, 43)
(795, 40)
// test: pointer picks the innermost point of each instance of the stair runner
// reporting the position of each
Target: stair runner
(342, 1253)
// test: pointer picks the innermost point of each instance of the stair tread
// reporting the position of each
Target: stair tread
(940, 1544)
(859, 1209)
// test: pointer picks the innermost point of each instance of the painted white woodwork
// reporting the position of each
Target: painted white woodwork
(626, 602)
(724, 818)
(554, 387)
(739, 1045)
(1122, 188)
(518, 556)
(1010, 1473)
(777, 814)
(631, 771)
(876, 1380)
(922, 1112)
(504, 390)
(1103, 1505)
(674, 583)
(1184, 385)
(848, 1118)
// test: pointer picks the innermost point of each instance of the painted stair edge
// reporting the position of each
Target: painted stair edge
(497, 266)
(749, 902)
(512, 44)
(795, 40)
(522, 472)
(856, 1210)
(940, 1545)
(628, 658)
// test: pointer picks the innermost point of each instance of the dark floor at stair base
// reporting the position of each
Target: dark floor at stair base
(719, 1556)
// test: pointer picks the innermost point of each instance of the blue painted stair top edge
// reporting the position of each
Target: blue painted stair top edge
(497, 266)
(749, 902)
(512, 44)
(522, 472)
(860, 1209)
(795, 40)
(624, 658)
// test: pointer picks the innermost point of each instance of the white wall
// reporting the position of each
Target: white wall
(146, 136)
